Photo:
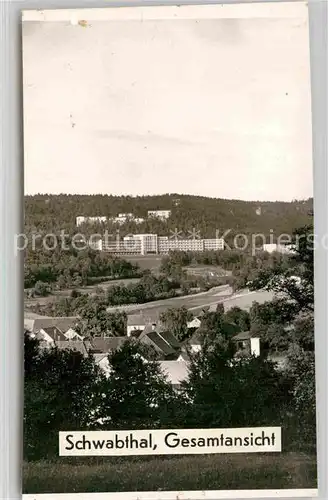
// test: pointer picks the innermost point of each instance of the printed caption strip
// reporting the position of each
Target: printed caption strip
(170, 442)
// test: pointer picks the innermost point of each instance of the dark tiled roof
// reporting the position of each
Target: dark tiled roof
(160, 343)
(55, 333)
(104, 345)
(244, 336)
(62, 323)
(73, 345)
(148, 328)
(170, 339)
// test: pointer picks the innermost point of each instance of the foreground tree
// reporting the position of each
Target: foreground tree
(137, 394)
(296, 282)
(226, 392)
(62, 392)
(176, 321)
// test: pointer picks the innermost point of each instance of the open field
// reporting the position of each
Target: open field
(90, 289)
(151, 262)
(196, 302)
(207, 270)
(204, 472)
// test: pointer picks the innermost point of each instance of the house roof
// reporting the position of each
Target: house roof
(160, 343)
(195, 338)
(62, 323)
(176, 371)
(170, 339)
(245, 336)
(105, 345)
(151, 316)
(135, 320)
(184, 356)
(99, 357)
(54, 333)
(73, 345)
(148, 328)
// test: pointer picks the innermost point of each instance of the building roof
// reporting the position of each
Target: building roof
(151, 315)
(55, 333)
(245, 336)
(195, 338)
(176, 371)
(62, 323)
(148, 328)
(98, 357)
(107, 344)
(135, 320)
(170, 339)
(72, 345)
(160, 343)
(184, 356)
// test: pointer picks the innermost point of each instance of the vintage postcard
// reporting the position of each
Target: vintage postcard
(169, 292)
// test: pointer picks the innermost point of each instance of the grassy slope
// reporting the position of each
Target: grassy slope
(205, 472)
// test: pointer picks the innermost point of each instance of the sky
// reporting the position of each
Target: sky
(216, 106)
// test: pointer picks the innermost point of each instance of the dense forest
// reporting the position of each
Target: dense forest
(52, 213)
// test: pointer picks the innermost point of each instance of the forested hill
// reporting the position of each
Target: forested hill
(56, 212)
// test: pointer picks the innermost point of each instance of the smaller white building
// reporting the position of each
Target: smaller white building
(194, 323)
(81, 219)
(274, 247)
(247, 343)
(135, 322)
(159, 214)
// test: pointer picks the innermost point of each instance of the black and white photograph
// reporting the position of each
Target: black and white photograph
(168, 251)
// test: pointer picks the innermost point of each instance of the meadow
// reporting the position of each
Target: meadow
(186, 473)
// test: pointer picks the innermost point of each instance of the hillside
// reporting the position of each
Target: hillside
(206, 215)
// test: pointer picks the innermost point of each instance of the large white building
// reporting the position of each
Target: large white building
(166, 244)
(143, 244)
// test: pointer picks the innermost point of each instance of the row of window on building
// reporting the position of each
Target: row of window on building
(144, 244)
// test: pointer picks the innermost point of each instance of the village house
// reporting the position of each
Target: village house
(175, 371)
(135, 323)
(49, 335)
(73, 345)
(101, 360)
(36, 323)
(195, 342)
(194, 323)
(106, 345)
(247, 344)
(164, 343)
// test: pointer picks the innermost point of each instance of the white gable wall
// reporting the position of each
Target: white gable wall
(195, 323)
(255, 346)
(46, 337)
(132, 328)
